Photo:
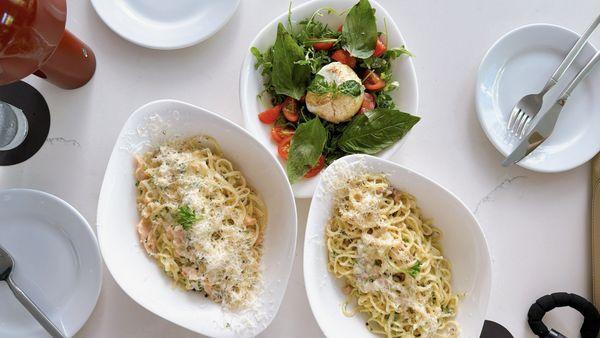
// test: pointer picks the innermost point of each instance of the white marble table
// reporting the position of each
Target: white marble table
(537, 225)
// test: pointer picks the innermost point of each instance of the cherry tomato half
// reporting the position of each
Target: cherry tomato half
(368, 103)
(278, 133)
(380, 47)
(322, 45)
(270, 115)
(283, 148)
(373, 82)
(344, 57)
(317, 168)
(290, 109)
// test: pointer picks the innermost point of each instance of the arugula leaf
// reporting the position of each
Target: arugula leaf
(320, 86)
(306, 148)
(288, 77)
(360, 30)
(384, 100)
(394, 53)
(186, 217)
(311, 30)
(375, 130)
(315, 59)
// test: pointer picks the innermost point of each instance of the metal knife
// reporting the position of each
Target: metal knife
(545, 125)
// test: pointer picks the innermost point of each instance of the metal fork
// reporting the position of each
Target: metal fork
(526, 109)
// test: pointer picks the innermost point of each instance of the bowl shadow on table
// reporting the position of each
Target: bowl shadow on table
(116, 312)
(295, 302)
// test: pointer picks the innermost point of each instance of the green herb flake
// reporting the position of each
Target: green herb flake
(186, 217)
(415, 269)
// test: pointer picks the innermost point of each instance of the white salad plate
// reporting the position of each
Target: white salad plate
(57, 263)
(406, 96)
(139, 275)
(463, 244)
(520, 63)
(160, 24)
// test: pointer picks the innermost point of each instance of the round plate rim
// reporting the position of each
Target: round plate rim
(98, 257)
(152, 45)
(481, 112)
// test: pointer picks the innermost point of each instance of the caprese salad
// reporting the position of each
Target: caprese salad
(330, 90)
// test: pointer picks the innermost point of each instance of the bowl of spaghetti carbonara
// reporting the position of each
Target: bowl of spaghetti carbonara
(197, 220)
(390, 253)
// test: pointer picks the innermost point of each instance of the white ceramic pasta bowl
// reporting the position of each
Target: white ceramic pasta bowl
(406, 96)
(138, 275)
(463, 243)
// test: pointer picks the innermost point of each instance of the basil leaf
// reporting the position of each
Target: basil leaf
(350, 87)
(360, 30)
(288, 77)
(376, 130)
(306, 148)
(319, 85)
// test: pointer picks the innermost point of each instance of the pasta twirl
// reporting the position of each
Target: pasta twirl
(200, 220)
(390, 258)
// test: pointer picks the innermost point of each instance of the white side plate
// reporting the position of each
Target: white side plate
(163, 24)
(57, 263)
(463, 243)
(406, 96)
(520, 63)
(138, 275)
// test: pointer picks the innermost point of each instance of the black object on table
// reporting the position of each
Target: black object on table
(591, 321)
(34, 107)
(589, 329)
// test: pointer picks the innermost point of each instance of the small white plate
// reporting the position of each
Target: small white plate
(520, 63)
(57, 263)
(139, 275)
(463, 243)
(406, 96)
(161, 24)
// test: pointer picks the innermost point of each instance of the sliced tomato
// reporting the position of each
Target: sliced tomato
(270, 115)
(380, 47)
(322, 45)
(278, 133)
(317, 168)
(368, 103)
(283, 148)
(344, 57)
(290, 109)
(373, 82)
